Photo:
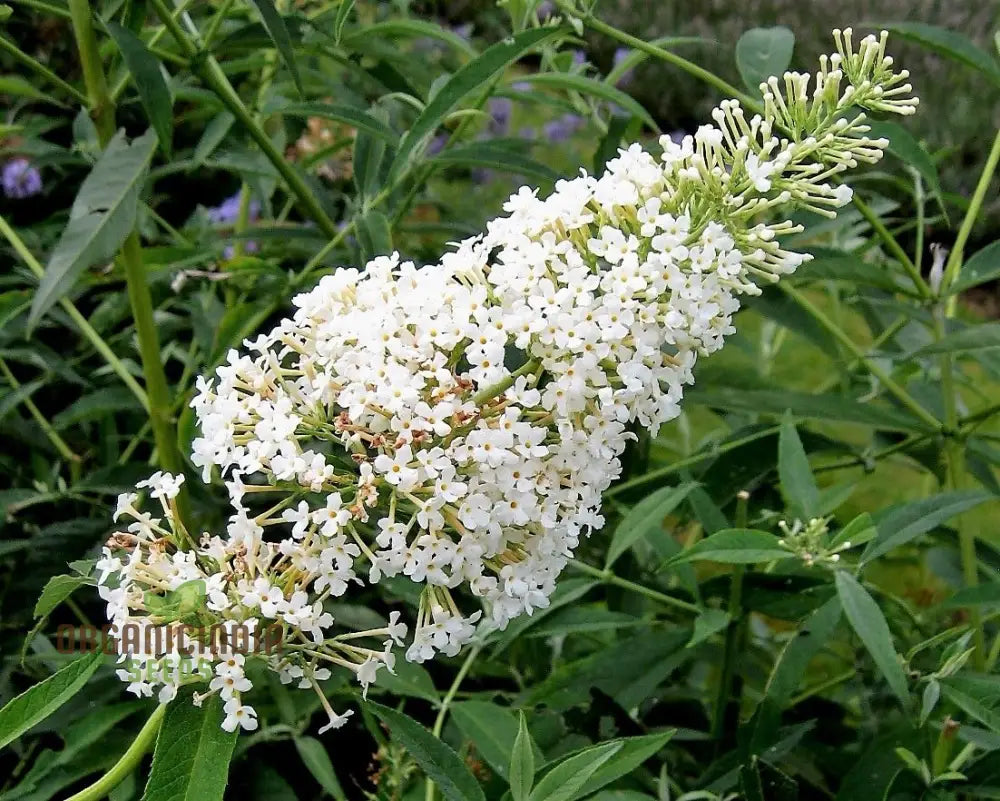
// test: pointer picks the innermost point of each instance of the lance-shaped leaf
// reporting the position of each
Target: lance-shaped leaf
(472, 75)
(103, 214)
(735, 546)
(869, 624)
(276, 29)
(37, 703)
(436, 759)
(148, 77)
(191, 759)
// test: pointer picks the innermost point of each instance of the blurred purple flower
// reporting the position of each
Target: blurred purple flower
(249, 246)
(437, 144)
(521, 86)
(500, 109)
(626, 77)
(579, 58)
(527, 133)
(463, 31)
(227, 211)
(562, 128)
(544, 9)
(20, 179)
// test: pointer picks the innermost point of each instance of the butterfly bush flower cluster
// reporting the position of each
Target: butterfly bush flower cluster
(456, 424)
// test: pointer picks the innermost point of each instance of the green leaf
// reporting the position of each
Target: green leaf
(18, 87)
(794, 473)
(735, 546)
(971, 705)
(474, 74)
(357, 40)
(709, 622)
(567, 591)
(212, 137)
(109, 400)
(869, 624)
(492, 156)
(979, 595)
(948, 43)
(317, 760)
(813, 636)
(438, 761)
(904, 146)
(589, 86)
(860, 530)
(192, 755)
(343, 14)
(565, 781)
(983, 266)
(634, 751)
(350, 115)
(57, 590)
(409, 679)
(274, 24)
(493, 729)
(763, 52)
(38, 702)
(103, 214)
(374, 235)
(804, 405)
(521, 774)
(983, 336)
(148, 76)
(645, 518)
(902, 523)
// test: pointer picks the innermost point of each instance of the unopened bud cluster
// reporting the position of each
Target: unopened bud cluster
(456, 424)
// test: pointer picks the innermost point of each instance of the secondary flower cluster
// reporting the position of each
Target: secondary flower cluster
(456, 424)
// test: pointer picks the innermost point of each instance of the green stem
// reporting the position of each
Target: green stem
(78, 319)
(823, 686)
(212, 74)
(492, 391)
(954, 457)
(654, 595)
(17, 54)
(891, 386)
(127, 764)
(446, 704)
(103, 111)
(890, 331)
(634, 42)
(892, 244)
(99, 102)
(57, 441)
(149, 352)
(216, 21)
(734, 635)
(957, 255)
(688, 461)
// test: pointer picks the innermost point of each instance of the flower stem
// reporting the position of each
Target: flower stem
(78, 319)
(891, 386)
(892, 244)
(690, 67)
(128, 763)
(954, 456)
(957, 255)
(735, 634)
(211, 73)
(17, 54)
(102, 110)
(57, 441)
(446, 704)
(654, 595)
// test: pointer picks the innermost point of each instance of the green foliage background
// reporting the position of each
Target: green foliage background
(694, 646)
